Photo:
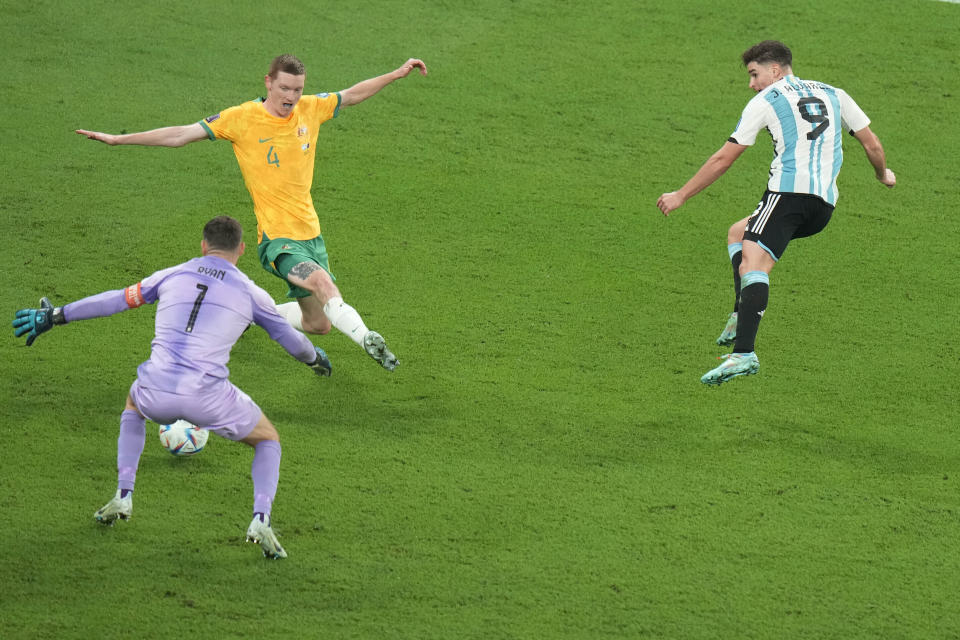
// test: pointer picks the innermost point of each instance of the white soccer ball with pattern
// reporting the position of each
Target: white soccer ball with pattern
(182, 438)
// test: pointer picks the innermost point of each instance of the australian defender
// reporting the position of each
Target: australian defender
(275, 142)
(203, 306)
(806, 120)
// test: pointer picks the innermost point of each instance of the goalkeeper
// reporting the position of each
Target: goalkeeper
(205, 304)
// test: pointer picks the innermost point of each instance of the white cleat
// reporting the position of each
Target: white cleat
(729, 335)
(260, 532)
(735, 364)
(376, 348)
(117, 509)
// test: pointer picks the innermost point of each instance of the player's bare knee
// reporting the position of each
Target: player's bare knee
(264, 430)
(756, 262)
(316, 327)
(271, 433)
(316, 330)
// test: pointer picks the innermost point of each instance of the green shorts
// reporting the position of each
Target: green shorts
(279, 255)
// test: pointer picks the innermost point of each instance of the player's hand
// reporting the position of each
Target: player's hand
(34, 321)
(410, 65)
(889, 178)
(106, 138)
(321, 365)
(670, 202)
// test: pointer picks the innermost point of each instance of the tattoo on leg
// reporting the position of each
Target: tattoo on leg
(304, 269)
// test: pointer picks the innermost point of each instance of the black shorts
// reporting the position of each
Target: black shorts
(781, 217)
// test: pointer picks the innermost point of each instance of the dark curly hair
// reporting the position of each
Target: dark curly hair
(768, 51)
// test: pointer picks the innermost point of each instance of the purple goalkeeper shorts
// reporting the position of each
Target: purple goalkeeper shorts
(222, 409)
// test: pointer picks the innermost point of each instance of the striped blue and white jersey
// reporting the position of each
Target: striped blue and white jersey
(806, 120)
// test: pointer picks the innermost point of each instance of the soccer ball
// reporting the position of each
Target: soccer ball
(182, 438)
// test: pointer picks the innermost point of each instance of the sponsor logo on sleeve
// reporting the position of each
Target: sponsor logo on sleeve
(212, 118)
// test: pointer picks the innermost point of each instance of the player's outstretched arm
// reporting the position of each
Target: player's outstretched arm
(876, 156)
(363, 90)
(163, 137)
(715, 166)
(33, 322)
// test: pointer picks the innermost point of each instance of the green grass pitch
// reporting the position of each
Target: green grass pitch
(545, 462)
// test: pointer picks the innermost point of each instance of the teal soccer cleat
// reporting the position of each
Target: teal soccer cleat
(729, 335)
(735, 364)
(321, 364)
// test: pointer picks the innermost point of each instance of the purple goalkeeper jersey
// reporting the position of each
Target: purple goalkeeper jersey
(204, 305)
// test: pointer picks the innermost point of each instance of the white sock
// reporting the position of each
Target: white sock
(292, 314)
(346, 319)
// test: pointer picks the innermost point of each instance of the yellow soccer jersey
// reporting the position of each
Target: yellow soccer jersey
(276, 157)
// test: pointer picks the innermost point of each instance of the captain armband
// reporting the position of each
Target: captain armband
(133, 296)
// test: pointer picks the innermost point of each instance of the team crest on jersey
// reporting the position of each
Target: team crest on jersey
(301, 131)
(211, 118)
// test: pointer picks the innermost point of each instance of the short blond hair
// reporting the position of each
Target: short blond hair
(287, 63)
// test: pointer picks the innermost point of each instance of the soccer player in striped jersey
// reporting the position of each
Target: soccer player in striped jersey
(203, 306)
(806, 120)
(275, 142)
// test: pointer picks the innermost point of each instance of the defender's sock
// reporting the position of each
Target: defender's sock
(265, 471)
(735, 249)
(753, 302)
(346, 319)
(133, 433)
(292, 313)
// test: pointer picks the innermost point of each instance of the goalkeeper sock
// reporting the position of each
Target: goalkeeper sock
(292, 313)
(265, 471)
(346, 319)
(133, 433)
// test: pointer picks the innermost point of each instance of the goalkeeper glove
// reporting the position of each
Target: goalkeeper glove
(36, 321)
(321, 365)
